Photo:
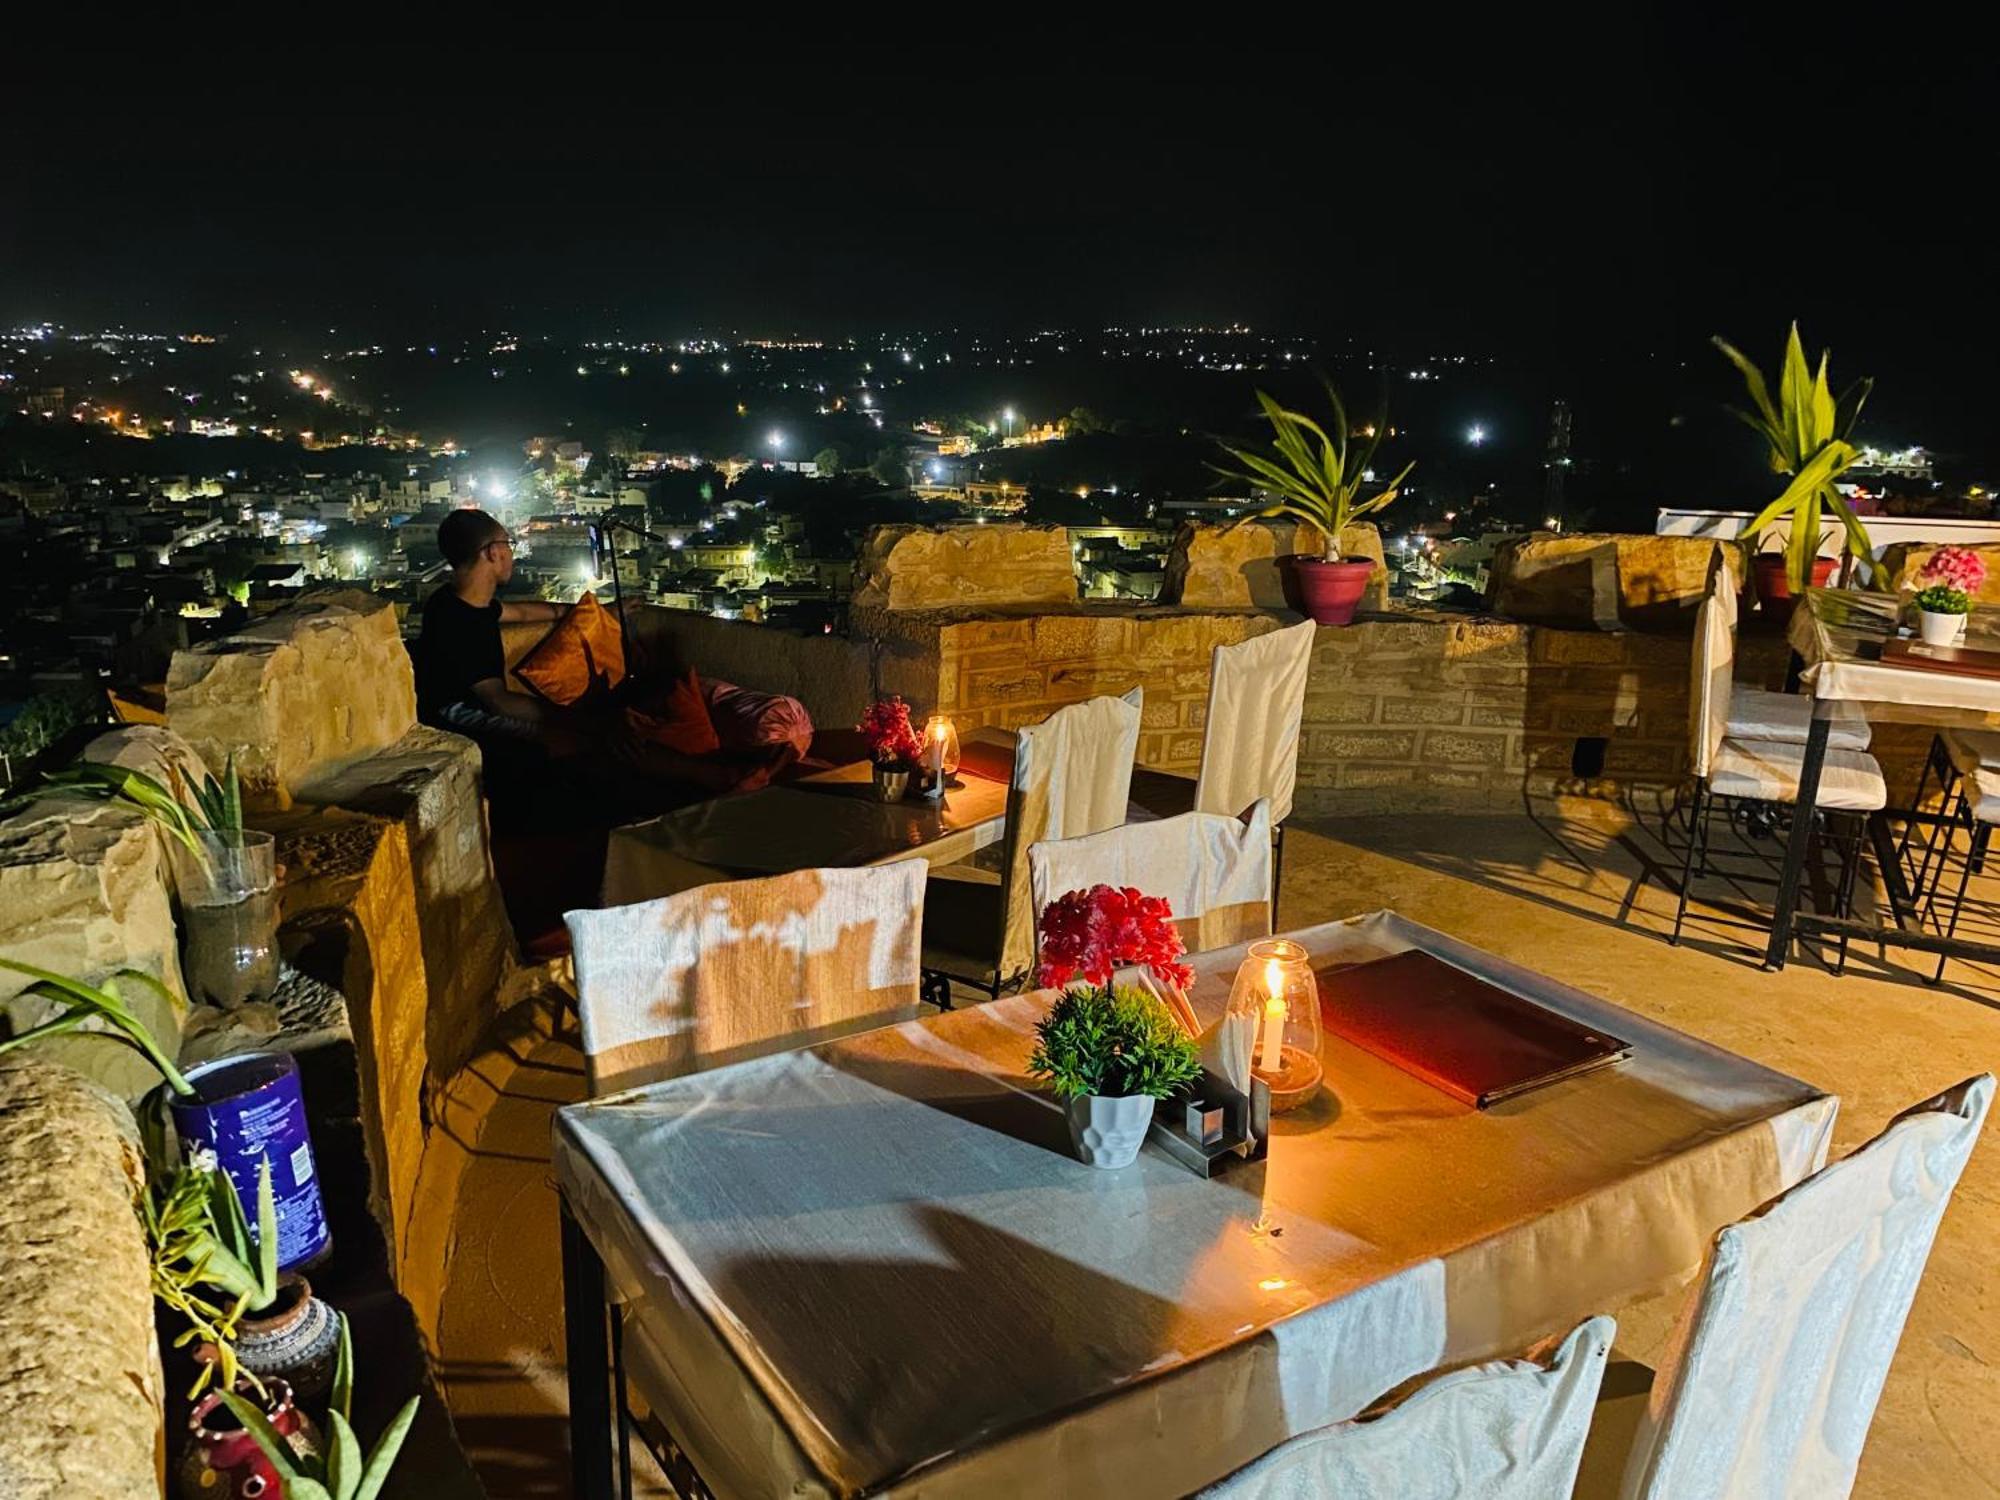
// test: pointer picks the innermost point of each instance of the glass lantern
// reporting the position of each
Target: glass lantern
(1276, 994)
(940, 754)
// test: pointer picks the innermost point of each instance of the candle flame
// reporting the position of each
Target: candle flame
(1274, 980)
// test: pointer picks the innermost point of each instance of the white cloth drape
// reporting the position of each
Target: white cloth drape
(1758, 714)
(1509, 1430)
(1214, 871)
(1072, 776)
(1250, 739)
(726, 972)
(1781, 1355)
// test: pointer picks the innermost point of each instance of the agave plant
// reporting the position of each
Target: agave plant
(343, 1472)
(1807, 429)
(134, 789)
(81, 1003)
(1316, 473)
(207, 1265)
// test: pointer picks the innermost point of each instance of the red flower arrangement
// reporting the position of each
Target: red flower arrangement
(1094, 932)
(891, 739)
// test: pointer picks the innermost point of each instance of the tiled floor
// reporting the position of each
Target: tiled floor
(1565, 890)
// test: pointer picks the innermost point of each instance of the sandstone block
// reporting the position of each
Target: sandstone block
(936, 567)
(1902, 561)
(1422, 711)
(1455, 748)
(1606, 581)
(80, 1382)
(1070, 637)
(1242, 567)
(154, 749)
(301, 693)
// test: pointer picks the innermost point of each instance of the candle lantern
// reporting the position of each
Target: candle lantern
(1275, 990)
(940, 758)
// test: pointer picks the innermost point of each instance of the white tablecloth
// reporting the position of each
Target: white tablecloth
(1838, 634)
(873, 1267)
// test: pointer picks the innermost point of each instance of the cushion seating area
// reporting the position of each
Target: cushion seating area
(1757, 714)
(1768, 771)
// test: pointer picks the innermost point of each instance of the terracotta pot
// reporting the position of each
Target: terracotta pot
(1329, 591)
(223, 1462)
(1774, 589)
(293, 1341)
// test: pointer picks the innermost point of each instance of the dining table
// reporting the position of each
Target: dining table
(875, 1268)
(828, 818)
(1838, 636)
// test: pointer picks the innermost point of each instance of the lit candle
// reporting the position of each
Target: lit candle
(1270, 1050)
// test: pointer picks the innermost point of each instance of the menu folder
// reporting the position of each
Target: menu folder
(1470, 1038)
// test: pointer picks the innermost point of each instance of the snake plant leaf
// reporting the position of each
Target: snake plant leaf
(267, 1235)
(383, 1459)
(276, 1449)
(343, 1457)
(342, 1399)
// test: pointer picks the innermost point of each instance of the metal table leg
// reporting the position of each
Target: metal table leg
(1801, 839)
(589, 1355)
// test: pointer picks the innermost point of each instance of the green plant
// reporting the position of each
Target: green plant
(46, 718)
(217, 805)
(1807, 429)
(1317, 475)
(207, 1265)
(81, 1003)
(1943, 599)
(221, 802)
(342, 1472)
(1113, 1042)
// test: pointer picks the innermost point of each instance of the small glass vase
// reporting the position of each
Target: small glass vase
(228, 888)
(1276, 992)
(892, 783)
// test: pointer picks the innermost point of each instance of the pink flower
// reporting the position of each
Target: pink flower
(891, 738)
(1954, 568)
(1095, 932)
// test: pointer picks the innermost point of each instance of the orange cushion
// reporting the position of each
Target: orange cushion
(681, 722)
(583, 651)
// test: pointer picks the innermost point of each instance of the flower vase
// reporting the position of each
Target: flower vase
(892, 783)
(294, 1340)
(223, 1462)
(228, 889)
(1940, 629)
(1107, 1132)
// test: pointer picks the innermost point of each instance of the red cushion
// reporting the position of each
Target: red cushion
(582, 652)
(749, 720)
(679, 720)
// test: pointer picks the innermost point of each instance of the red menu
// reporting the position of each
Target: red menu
(1474, 1040)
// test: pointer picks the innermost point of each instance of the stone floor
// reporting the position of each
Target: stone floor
(1573, 890)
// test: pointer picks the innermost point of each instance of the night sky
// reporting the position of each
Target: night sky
(1630, 185)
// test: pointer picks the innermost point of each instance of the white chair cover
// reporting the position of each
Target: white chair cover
(1250, 739)
(724, 972)
(1215, 872)
(1758, 714)
(1780, 1357)
(1072, 776)
(1510, 1430)
(1712, 682)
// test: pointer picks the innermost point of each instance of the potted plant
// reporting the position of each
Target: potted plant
(1946, 585)
(78, 1005)
(1807, 430)
(1109, 1052)
(1318, 476)
(893, 746)
(254, 1324)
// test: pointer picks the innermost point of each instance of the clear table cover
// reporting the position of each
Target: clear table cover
(873, 1267)
(1838, 634)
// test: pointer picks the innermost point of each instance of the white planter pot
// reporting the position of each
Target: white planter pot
(1108, 1132)
(1938, 629)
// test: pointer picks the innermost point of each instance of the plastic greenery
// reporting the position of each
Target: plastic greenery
(1943, 599)
(82, 1003)
(1807, 430)
(1948, 580)
(207, 1265)
(217, 805)
(342, 1472)
(1316, 474)
(1114, 1043)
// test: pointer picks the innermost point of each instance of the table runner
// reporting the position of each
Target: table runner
(872, 1267)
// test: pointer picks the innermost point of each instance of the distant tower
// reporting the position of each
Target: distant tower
(1556, 460)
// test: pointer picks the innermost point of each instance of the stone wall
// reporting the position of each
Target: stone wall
(314, 687)
(1608, 581)
(80, 1382)
(963, 567)
(1242, 567)
(1901, 562)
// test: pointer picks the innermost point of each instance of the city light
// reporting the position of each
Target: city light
(1475, 434)
(583, 571)
(776, 440)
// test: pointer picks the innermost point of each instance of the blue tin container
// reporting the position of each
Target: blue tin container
(247, 1108)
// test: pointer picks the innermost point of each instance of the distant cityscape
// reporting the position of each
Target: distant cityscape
(157, 488)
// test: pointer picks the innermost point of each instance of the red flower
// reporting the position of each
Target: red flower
(886, 727)
(1095, 932)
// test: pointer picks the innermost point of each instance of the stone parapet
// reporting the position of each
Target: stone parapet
(1606, 581)
(1902, 561)
(938, 567)
(1243, 567)
(80, 1381)
(313, 688)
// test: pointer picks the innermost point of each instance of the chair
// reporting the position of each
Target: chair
(1509, 1430)
(1758, 713)
(1214, 871)
(1730, 769)
(1072, 776)
(1966, 763)
(1783, 1348)
(1250, 736)
(726, 972)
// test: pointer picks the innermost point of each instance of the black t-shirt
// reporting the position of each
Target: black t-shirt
(460, 645)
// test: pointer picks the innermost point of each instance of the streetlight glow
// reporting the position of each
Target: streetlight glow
(777, 440)
(1475, 434)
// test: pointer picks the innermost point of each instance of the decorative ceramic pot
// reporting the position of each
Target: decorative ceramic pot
(1330, 591)
(294, 1340)
(223, 1462)
(892, 783)
(1940, 629)
(1108, 1132)
(1774, 588)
